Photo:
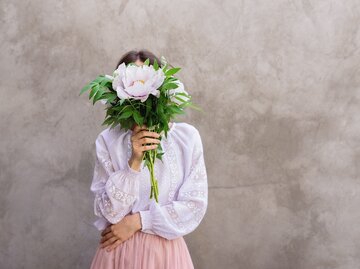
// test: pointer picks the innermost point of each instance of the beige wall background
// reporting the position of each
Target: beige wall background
(279, 82)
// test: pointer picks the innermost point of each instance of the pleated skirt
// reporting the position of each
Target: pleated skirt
(145, 251)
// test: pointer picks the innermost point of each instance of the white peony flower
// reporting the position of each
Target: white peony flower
(137, 82)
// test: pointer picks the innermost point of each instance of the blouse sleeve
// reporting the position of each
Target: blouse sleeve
(185, 213)
(115, 191)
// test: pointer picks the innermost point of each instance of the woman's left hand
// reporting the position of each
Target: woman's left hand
(115, 234)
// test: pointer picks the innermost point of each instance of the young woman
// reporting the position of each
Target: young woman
(138, 233)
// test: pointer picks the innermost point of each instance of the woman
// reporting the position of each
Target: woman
(138, 232)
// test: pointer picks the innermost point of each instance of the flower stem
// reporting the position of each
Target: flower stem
(154, 186)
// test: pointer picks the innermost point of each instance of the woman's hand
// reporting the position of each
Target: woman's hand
(115, 234)
(139, 137)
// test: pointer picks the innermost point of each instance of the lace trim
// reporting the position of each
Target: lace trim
(196, 209)
(193, 193)
(174, 170)
(119, 195)
(111, 214)
(198, 177)
(106, 162)
(97, 209)
(198, 169)
(129, 148)
(174, 215)
(96, 171)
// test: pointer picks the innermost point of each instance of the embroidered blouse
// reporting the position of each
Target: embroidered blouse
(182, 180)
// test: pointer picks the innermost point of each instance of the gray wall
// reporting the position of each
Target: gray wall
(279, 81)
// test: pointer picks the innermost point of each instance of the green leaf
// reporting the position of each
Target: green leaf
(147, 62)
(108, 112)
(106, 81)
(156, 65)
(148, 107)
(172, 71)
(98, 79)
(87, 87)
(122, 109)
(137, 117)
(175, 109)
(172, 78)
(108, 121)
(165, 67)
(169, 86)
(94, 90)
(109, 96)
(181, 100)
(183, 94)
(98, 95)
(126, 114)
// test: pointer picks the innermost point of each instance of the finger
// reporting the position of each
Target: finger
(148, 147)
(109, 242)
(144, 133)
(147, 140)
(138, 128)
(106, 237)
(114, 245)
(106, 230)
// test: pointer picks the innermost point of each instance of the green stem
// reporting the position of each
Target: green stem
(151, 157)
(155, 180)
(154, 189)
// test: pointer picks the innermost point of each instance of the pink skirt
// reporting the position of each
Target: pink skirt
(145, 251)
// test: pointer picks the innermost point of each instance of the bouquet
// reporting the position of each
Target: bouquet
(147, 94)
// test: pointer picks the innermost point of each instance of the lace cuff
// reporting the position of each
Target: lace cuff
(123, 185)
(146, 220)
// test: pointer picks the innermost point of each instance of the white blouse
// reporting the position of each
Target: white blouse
(182, 181)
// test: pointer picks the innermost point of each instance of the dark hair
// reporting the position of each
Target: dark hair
(141, 55)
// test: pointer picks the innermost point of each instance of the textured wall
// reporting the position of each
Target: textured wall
(279, 81)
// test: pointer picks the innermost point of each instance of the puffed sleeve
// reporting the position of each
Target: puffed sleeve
(115, 191)
(185, 213)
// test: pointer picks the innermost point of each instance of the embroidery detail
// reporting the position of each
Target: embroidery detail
(106, 162)
(198, 169)
(129, 148)
(174, 171)
(196, 209)
(100, 173)
(103, 202)
(194, 197)
(119, 195)
(174, 215)
(193, 193)
(97, 209)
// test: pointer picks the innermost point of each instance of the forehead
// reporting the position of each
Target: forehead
(139, 62)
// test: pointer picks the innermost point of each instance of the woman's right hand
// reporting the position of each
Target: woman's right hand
(139, 137)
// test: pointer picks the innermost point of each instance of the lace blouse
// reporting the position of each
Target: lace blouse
(182, 180)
